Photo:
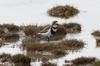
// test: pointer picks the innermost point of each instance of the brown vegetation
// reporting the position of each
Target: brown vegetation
(72, 27)
(11, 37)
(96, 63)
(54, 49)
(96, 33)
(5, 57)
(48, 64)
(64, 45)
(63, 11)
(11, 27)
(71, 44)
(1, 43)
(1, 32)
(31, 30)
(20, 58)
(98, 42)
(83, 60)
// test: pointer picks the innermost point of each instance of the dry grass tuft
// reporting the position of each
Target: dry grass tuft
(69, 65)
(1, 43)
(96, 63)
(96, 33)
(71, 44)
(39, 47)
(31, 30)
(72, 27)
(64, 45)
(59, 52)
(98, 42)
(63, 11)
(19, 58)
(48, 64)
(55, 50)
(11, 27)
(5, 57)
(1, 32)
(83, 60)
(11, 37)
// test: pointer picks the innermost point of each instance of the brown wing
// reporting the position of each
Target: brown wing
(45, 29)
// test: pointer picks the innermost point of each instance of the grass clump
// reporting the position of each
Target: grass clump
(20, 58)
(55, 50)
(59, 52)
(48, 64)
(72, 27)
(96, 33)
(83, 60)
(48, 47)
(98, 42)
(11, 37)
(71, 44)
(96, 63)
(5, 57)
(31, 30)
(11, 27)
(63, 11)
(1, 43)
(39, 47)
(1, 32)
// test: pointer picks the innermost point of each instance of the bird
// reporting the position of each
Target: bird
(48, 31)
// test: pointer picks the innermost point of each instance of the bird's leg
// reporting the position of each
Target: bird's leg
(48, 39)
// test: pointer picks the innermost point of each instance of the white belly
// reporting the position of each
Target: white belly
(47, 34)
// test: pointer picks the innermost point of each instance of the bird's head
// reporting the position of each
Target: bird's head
(55, 23)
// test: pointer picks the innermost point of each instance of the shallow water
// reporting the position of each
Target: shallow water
(14, 47)
(24, 12)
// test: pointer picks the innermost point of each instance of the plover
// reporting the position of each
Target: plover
(47, 33)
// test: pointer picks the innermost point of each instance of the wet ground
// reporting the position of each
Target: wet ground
(24, 12)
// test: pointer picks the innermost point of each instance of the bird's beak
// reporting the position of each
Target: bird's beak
(58, 24)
